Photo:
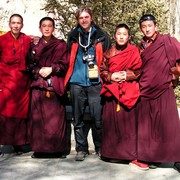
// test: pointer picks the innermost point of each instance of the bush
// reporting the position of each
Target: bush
(177, 93)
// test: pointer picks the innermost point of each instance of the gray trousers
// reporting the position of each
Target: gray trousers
(81, 97)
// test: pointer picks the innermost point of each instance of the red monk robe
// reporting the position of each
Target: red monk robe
(14, 89)
(127, 92)
(119, 125)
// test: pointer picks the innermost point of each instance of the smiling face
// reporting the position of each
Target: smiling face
(121, 36)
(84, 20)
(148, 28)
(46, 29)
(15, 24)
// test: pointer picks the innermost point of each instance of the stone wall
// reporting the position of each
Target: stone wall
(31, 10)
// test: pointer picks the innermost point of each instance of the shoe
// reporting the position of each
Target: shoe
(153, 165)
(36, 155)
(97, 153)
(177, 166)
(25, 148)
(139, 165)
(1, 154)
(114, 160)
(80, 156)
(20, 149)
(17, 149)
(62, 156)
(48, 155)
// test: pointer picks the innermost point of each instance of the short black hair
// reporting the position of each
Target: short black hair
(147, 17)
(46, 18)
(122, 26)
(17, 15)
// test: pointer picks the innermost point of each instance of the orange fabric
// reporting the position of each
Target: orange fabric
(71, 62)
(99, 58)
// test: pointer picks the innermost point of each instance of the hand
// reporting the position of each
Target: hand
(176, 70)
(45, 71)
(118, 76)
(131, 75)
(35, 40)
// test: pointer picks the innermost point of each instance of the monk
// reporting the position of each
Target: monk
(158, 120)
(48, 63)
(120, 94)
(14, 85)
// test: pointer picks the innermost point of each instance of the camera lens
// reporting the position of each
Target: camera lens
(91, 64)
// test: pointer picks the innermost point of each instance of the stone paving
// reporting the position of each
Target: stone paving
(23, 167)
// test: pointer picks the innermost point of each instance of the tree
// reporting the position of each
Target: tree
(109, 13)
(129, 12)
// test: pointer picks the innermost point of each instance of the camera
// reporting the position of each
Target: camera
(93, 72)
(89, 58)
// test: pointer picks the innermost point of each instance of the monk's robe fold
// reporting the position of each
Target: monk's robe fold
(47, 113)
(14, 81)
(126, 92)
(14, 89)
(158, 120)
(156, 80)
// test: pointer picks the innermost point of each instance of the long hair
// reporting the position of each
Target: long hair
(85, 9)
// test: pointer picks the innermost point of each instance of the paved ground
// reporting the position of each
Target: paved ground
(23, 167)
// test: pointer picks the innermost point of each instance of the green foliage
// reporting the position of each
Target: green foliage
(109, 13)
(177, 94)
(66, 19)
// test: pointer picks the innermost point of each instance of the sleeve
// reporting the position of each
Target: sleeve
(172, 48)
(31, 65)
(104, 72)
(59, 68)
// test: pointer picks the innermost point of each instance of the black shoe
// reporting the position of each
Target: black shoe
(48, 155)
(40, 155)
(1, 154)
(58, 155)
(19, 149)
(63, 156)
(26, 148)
(153, 165)
(35, 155)
(177, 166)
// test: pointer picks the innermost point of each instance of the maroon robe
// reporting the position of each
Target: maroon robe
(47, 115)
(14, 89)
(119, 127)
(158, 121)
